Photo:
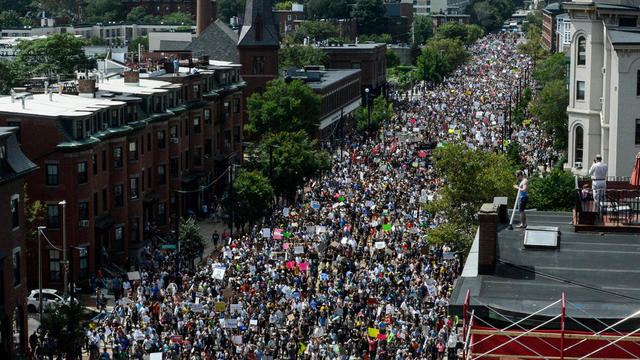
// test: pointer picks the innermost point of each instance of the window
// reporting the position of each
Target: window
(54, 265)
(207, 116)
(79, 133)
(52, 174)
(208, 148)
(637, 131)
(227, 139)
(161, 140)
(84, 263)
(133, 150)
(196, 125)
(162, 213)
(117, 195)
(53, 216)
(162, 178)
(227, 110)
(173, 131)
(82, 173)
(117, 157)
(119, 238)
(104, 160)
(94, 164)
(114, 118)
(258, 64)
(16, 267)
(3, 153)
(196, 91)
(133, 188)
(83, 211)
(579, 144)
(186, 128)
(582, 51)
(580, 90)
(236, 135)
(236, 105)
(197, 157)
(95, 204)
(104, 199)
(173, 167)
(15, 202)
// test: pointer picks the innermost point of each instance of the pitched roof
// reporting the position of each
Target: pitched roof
(269, 32)
(218, 41)
(173, 45)
(623, 36)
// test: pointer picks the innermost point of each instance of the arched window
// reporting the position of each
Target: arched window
(578, 143)
(582, 51)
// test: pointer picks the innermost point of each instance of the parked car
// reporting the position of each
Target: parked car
(50, 296)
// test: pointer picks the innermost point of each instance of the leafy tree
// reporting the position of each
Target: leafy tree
(11, 74)
(9, 18)
(295, 160)
(369, 15)
(284, 107)
(285, 5)
(422, 28)
(34, 216)
(471, 178)
(328, 9)
(315, 30)
(490, 14)
(299, 56)
(534, 18)
(514, 151)
(550, 107)
(454, 50)
(230, 8)
(393, 59)
(252, 194)
(19, 6)
(142, 40)
(64, 325)
(377, 38)
(414, 52)
(452, 30)
(553, 192)
(381, 112)
(474, 32)
(55, 54)
(103, 10)
(432, 65)
(552, 68)
(136, 15)
(191, 241)
(533, 46)
(178, 18)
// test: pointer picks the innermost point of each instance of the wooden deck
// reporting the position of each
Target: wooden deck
(606, 223)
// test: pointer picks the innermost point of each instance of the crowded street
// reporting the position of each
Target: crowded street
(347, 271)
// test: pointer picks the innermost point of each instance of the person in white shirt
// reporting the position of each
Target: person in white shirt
(598, 173)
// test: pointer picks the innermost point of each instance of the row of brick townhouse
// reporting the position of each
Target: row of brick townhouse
(126, 153)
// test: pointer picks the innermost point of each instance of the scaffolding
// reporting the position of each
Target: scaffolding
(483, 340)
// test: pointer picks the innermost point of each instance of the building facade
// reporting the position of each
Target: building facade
(14, 167)
(563, 33)
(128, 156)
(549, 25)
(604, 85)
(289, 20)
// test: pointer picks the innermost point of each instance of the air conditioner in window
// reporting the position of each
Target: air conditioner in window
(601, 100)
(84, 223)
(577, 164)
(174, 140)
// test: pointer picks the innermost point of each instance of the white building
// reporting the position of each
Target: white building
(563, 33)
(604, 96)
(426, 7)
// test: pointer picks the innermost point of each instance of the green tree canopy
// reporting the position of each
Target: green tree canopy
(393, 59)
(490, 14)
(422, 28)
(104, 10)
(471, 178)
(284, 5)
(369, 14)
(553, 192)
(552, 68)
(328, 9)
(230, 8)
(284, 107)
(452, 30)
(136, 15)
(191, 240)
(299, 56)
(474, 32)
(65, 324)
(9, 18)
(11, 75)
(381, 112)
(295, 160)
(142, 40)
(439, 58)
(315, 30)
(252, 196)
(533, 46)
(550, 107)
(178, 18)
(55, 54)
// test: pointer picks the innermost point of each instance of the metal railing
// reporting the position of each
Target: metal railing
(616, 207)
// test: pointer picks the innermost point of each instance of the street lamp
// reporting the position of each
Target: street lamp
(366, 90)
(64, 243)
(40, 229)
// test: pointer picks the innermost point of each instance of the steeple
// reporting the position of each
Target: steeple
(259, 28)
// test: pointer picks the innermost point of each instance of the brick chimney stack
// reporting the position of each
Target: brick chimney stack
(87, 88)
(203, 16)
(487, 238)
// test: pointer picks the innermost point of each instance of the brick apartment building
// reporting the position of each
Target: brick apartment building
(14, 166)
(289, 21)
(549, 23)
(125, 153)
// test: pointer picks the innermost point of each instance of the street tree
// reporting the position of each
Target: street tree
(393, 59)
(300, 56)
(291, 106)
(315, 30)
(294, 159)
(471, 178)
(432, 65)
(191, 241)
(136, 15)
(64, 326)
(553, 192)
(252, 194)
(422, 28)
(369, 14)
(230, 8)
(453, 30)
(552, 68)
(141, 40)
(550, 108)
(328, 9)
(9, 18)
(283, 5)
(55, 54)
(12, 74)
(34, 216)
(381, 112)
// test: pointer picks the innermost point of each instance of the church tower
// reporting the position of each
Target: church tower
(258, 46)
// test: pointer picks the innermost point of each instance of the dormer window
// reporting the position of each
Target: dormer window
(79, 130)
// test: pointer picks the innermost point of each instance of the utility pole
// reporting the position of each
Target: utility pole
(64, 244)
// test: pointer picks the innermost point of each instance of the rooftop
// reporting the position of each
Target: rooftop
(321, 79)
(59, 106)
(144, 87)
(360, 46)
(597, 272)
(623, 35)
(17, 164)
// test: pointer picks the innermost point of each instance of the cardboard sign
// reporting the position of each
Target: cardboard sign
(218, 272)
(134, 275)
(233, 308)
(236, 339)
(277, 234)
(380, 245)
(228, 292)
(155, 356)
(230, 323)
(253, 322)
(299, 249)
(176, 339)
(285, 211)
(220, 306)
(266, 233)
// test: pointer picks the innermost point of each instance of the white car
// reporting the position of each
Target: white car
(50, 296)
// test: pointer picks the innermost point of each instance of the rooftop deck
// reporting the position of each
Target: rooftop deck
(619, 211)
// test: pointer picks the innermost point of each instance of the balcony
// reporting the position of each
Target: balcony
(619, 211)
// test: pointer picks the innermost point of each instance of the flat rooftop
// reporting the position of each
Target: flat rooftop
(598, 272)
(60, 106)
(328, 78)
(360, 46)
(144, 87)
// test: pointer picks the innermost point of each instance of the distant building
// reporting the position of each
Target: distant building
(427, 7)
(604, 85)
(549, 25)
(439, 19)
(563, 33)
(165, 7)
(289, 21)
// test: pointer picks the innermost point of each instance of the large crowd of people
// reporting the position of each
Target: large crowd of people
(347, 271)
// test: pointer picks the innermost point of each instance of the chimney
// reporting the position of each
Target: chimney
(131, 78)
(87, 88)
(487, 238)
(203, 16)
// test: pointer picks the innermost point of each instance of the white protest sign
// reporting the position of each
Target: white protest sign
(285, 211)
(299, 249)
(230, 323)
(432, 290)
(196, 308)
(237, 339)
(253, 322)
(235, 308)
(218, 272)
(155, 356)
(380, 245)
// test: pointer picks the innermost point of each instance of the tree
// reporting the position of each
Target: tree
(299, 56)
(230, 8)
(284, 106)
(191, 241)
(328, 9)
(474, 32)
(533, 46)
(178, 18)
(9, 18)
(490, 14)
(422, 28)
(414, 52)
(103, 10)
(11, 75)
(19, 6)
(369, 14)
(552, 68)
(550, 107)
(295, 160)
(454, 51)
(55, 54)
(553, 192)
(34, 216)
(315, 30)
(432, 65)
(285, 5)
(381, 112)
(393, 59)
(141, 40)
(534, 18)
(471, 178)
(64, 326)
(252, 194)
(453, 30)
(136, 15)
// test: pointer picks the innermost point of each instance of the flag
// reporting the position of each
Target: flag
(390, 337)
(301, 349)
(376, 149)
(373, 332)
(394, 146)
(386, 226)
(353, 157)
